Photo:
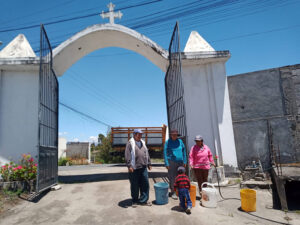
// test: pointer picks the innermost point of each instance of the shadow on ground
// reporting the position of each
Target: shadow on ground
(125, 203)
(128, 203)
(153, 165)
(103, 177)
(177, 208)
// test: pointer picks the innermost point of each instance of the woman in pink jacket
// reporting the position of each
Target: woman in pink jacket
(200, 160)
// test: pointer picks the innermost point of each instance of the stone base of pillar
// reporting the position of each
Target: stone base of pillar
(213, 177)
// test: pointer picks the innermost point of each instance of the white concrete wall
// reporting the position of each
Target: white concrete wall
(18, 114)
(198, 116)
(208, 109)
(62, 147)
(224, 117)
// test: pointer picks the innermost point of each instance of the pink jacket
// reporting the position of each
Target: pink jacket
(200, 157)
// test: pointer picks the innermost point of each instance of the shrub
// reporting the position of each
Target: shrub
(63, 161)
(25, 171)
(6, 171)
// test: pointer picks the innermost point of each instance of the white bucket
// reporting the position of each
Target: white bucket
(209, 195)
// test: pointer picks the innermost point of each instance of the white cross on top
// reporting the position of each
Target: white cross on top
(111, 14)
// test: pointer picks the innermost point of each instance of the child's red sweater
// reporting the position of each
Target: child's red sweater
(182, 181)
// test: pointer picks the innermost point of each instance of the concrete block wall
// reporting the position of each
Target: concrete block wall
(263, 98)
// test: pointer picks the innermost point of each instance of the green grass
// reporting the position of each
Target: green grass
(235, 181)
(157, 160)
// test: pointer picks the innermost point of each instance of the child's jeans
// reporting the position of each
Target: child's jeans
(184, 196)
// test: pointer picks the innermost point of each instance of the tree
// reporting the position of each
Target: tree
(93, 147)
(105, 149)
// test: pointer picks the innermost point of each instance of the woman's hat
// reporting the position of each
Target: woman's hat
(198, 138)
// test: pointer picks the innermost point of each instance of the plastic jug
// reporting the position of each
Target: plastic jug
(209, 195)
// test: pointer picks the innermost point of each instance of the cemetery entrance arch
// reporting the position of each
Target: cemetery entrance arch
(66, 54)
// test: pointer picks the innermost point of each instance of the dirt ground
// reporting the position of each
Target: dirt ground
(8, 200)
(103, 197)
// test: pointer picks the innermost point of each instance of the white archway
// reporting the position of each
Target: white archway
(203, 74)
(106, 35)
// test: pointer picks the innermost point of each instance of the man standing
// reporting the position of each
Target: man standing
(138, 160)
(175, 156)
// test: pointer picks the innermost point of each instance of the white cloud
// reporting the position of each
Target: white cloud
(93, 139)
(62, 133)
(75, 140)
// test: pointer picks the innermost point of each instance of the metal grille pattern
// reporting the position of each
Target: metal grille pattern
(48, 117)
(174, 87)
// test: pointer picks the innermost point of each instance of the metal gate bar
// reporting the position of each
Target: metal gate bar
(174, 87)
(48, 118)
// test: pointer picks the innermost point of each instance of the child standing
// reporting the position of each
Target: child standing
(182, 184)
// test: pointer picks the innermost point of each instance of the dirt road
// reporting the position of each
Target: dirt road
(103, 197)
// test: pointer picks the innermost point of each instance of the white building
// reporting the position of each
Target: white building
(62, 147)
(203, 73)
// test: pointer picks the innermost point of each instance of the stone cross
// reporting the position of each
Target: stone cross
(111, 14)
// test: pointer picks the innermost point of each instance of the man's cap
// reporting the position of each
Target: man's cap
(181, 169)
(137, 131)
(198, 138)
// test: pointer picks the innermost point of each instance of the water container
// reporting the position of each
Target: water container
(209, 195)
(161, 193)
(193, 191)
(248, 200)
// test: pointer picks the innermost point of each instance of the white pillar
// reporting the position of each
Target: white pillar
(206, 98)
(19, 92)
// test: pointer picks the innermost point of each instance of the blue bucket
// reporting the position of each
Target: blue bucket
(161, 193)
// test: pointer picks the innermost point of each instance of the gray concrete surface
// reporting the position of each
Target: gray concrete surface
(108, 202)
(266, 97)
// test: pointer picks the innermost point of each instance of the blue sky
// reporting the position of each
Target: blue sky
(123, 88)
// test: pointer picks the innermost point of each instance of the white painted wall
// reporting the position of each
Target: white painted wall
(198, 116)
(62, 147)
(18, 114)
(208, 109)
(224, 118)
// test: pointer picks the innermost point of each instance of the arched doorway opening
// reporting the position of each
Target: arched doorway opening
(66, 54)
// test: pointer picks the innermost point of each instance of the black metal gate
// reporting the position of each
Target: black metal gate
(48, 118)
(174, 88)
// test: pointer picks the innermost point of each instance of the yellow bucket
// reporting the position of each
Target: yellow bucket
(248, 200)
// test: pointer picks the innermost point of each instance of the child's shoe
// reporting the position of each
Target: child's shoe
(188, 210)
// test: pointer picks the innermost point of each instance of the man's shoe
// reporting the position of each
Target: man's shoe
(174, 196)
(146, 203)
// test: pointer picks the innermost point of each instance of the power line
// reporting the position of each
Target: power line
(256, 33)
(224, 13)
(54, 7)
(93, 91)
(38, 12)
(84, 114)
(75, 18)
